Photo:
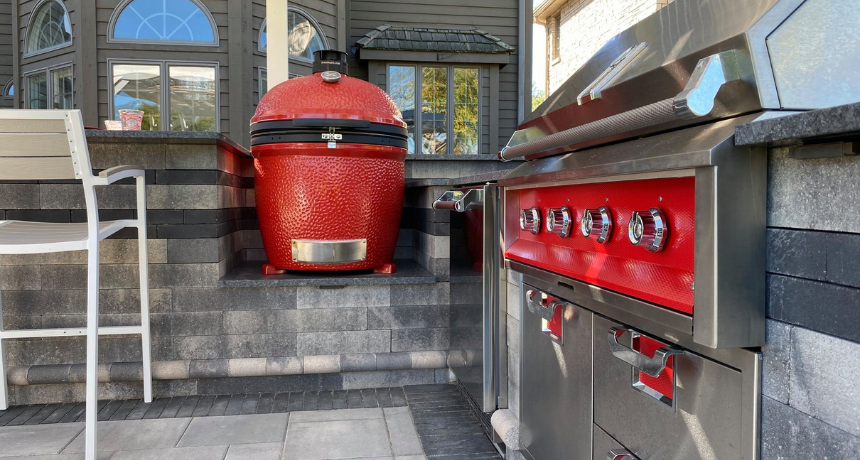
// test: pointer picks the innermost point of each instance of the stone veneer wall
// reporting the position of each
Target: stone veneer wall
(811, 398)
(210, 339)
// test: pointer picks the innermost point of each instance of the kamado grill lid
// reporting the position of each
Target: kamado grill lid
(328, 106)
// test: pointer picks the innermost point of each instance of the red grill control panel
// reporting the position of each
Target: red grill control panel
(633, 237)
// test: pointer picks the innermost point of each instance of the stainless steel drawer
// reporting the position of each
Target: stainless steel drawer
(606, 448)
(693, 407)
(555, 418)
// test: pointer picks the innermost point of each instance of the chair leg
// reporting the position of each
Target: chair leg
(92, 392)
(144, 314)
(4, 389)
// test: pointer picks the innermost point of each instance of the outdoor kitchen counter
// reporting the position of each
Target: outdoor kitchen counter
(789, 129)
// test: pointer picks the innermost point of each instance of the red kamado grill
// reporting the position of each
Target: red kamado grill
(329, 153)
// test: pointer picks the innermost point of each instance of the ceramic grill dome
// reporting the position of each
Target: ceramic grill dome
(329, 155)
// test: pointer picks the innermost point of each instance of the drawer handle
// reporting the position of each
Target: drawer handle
(620, 454)
(651, 366)
(536, 305)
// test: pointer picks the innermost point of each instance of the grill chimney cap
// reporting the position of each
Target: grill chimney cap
(330, 60)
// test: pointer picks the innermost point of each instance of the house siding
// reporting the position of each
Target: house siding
(6, 53)
(498, 18)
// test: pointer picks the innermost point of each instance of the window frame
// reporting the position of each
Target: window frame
(164, 68)
(50, 84)
(260, 89)
(124, 3)
(316, 25)
(449, 121)
(32, 17)
(555, 38)
(6, 95)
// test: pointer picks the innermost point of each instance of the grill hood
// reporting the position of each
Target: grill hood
(700, 60)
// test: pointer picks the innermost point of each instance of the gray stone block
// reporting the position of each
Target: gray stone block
(514, 301)
(126, 372)
(799, 189)
(843, 259)
(408, 317)
(333, 343)
(445, 376)
(196, 323)
(326, 364)
(419, 339)
(19, 196)
(51, 374)
(393, 361)
(822, 307)
(776, 357)
(790, 434)
(185, 156)
(467, 315)
(207, 368)
(199, 347)
(429, 359)
(289, 365)
(184, 275)
(466, 338)
(420, 294)
(260, 345)
(62, 302)
(514, 351)
(20, 277)
(183, 197)
(824, 373)
(193, 251)
(358, 362)
(797, 253)
(234, 299)
(108, 155)
(344, 297)
(246, 367)
(381, 379)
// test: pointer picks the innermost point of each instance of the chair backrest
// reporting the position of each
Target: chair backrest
(43, 145)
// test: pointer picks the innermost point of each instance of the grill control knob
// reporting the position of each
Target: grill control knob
(648, 229)
(530, 220)
(558, 221)
(597, 224)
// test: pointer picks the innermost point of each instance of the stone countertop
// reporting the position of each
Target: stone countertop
(789, 129)
(250, 276)
(167, 137)
(478, 178)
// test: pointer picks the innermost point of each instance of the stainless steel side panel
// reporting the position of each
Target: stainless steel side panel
(556, 406)
(713, 418)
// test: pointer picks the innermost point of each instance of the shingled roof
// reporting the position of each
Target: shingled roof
(391, 38)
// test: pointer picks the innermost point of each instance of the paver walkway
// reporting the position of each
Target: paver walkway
(439, 416)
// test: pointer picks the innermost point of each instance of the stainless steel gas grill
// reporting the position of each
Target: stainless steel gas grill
(639, 228)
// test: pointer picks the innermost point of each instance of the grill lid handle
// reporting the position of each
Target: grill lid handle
(330, 123)
(457, 200)
(536, 305)
(651, 366)
(620, 454)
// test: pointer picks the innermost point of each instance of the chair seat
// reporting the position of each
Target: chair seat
(19, 237)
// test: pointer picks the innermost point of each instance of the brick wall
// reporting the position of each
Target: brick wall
(586, 25)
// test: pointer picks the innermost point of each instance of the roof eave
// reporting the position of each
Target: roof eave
(547, 8)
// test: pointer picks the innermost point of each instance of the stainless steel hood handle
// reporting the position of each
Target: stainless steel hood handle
(534, 300)
(620, 454)
(696, 100)
(651, 366)
(456, 200)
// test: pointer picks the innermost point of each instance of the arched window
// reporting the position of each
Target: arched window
(9, 89)
(50, 28)
(160, 21)
(305, 35)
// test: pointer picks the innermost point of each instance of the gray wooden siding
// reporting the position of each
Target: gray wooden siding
(160, 52)
(6, 54)
(53, 58)
(500, 18)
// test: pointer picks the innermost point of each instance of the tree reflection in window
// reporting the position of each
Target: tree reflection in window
(182, 21)
(50, 28)
(434, 110)
(304, 35)
(402, 82)
(465, 111)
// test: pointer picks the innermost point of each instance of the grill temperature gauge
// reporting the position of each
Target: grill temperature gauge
(558, 221)
(597, 224)
(648, 229)
(530, 220)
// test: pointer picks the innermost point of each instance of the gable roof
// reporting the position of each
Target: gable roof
(391, 38)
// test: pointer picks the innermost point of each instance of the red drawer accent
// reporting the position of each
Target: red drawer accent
(663, 383)
(664, 277)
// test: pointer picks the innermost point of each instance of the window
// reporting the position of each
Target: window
(173, 96)
(160, 21)
(555, 38)
(449, 103)
(304, 34)
(263, 79)
(9, 90)
(49, 29)
(50, 89)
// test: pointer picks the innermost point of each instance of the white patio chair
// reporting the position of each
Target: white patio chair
(51, 145)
